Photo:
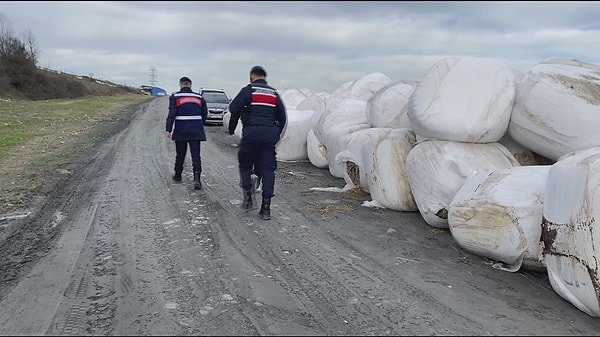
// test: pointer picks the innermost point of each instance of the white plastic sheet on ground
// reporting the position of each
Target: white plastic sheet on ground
(498, 214)
(387, 108)
(557, 108)
(388, 185)
(437, 169)
(358, 154)
(317, 152)
(293, 143)
(570, 231)
(464, 99)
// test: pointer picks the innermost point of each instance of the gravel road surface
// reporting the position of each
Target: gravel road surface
(119, 249)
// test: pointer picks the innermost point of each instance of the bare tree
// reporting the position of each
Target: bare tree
(30, 45)
(6, 33)
(19, 49)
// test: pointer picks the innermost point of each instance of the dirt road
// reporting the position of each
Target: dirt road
(121, 250)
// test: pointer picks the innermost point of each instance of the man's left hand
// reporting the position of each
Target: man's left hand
(168, 134)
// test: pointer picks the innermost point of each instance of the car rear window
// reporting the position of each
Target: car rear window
(215, 97)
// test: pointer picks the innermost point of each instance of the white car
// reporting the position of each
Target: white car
(217, 103)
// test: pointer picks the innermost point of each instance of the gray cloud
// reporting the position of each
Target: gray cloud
(316, 45)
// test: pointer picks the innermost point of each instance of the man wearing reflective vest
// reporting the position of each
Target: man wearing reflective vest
(185, 126)
(263, 118)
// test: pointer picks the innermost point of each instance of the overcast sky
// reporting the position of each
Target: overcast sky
(316, 45)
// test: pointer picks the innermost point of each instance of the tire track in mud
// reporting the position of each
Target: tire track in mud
(151, 255)
(306, 272)
(68, 212)
(105, 262)
(427, 284)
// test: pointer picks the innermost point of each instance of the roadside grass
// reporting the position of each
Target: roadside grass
(40, 139)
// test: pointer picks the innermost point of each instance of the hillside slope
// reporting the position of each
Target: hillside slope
(42, 84)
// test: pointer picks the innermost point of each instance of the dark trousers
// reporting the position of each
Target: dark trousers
(256, 154)
(181, 151)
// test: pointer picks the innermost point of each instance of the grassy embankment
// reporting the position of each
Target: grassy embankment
(40, 139)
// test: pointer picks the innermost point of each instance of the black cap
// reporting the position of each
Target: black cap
(258, 70)
(185, 79)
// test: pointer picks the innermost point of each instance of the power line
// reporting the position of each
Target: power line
(153, 76)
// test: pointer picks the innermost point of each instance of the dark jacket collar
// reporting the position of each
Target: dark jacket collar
(260, 80)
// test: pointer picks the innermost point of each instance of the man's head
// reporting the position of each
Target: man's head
(185, 82)
(257, 73)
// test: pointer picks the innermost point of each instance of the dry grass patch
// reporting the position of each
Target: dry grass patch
(329, 208)
(38, 140)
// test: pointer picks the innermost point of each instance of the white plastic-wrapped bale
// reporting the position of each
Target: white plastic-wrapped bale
(342, 89)
(317, 152)
(337, 119)
(357, 156)
(293, 143)
(422, 139)
(518, 76)
(464, 99)
(336, 141)
(315, 121)
(364, 87)
(498, 214)
(225, 127)
(557, 108)
(291, 97)
(307, 92)
(335, 112)
(226, 118)
(388, 185)
(437, 169)
(570, 233)
(311, 102)
(387, 108)
(523, 155)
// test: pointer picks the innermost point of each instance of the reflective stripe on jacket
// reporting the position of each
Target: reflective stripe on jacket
(187, 113)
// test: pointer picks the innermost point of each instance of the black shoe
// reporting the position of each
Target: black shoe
(265, 209)
(177, 177)
(197, 183)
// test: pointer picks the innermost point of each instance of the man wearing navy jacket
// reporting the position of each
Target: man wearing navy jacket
(185, 126)
(264, 118)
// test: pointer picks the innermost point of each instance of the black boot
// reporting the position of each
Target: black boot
(177, 176)
(265, 209)
(248, 202)
(197, 183)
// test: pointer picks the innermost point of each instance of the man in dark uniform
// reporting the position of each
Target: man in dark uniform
(263, 118)
(185, 126)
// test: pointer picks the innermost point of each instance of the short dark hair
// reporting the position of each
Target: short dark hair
(258, 70)
(185, 79)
